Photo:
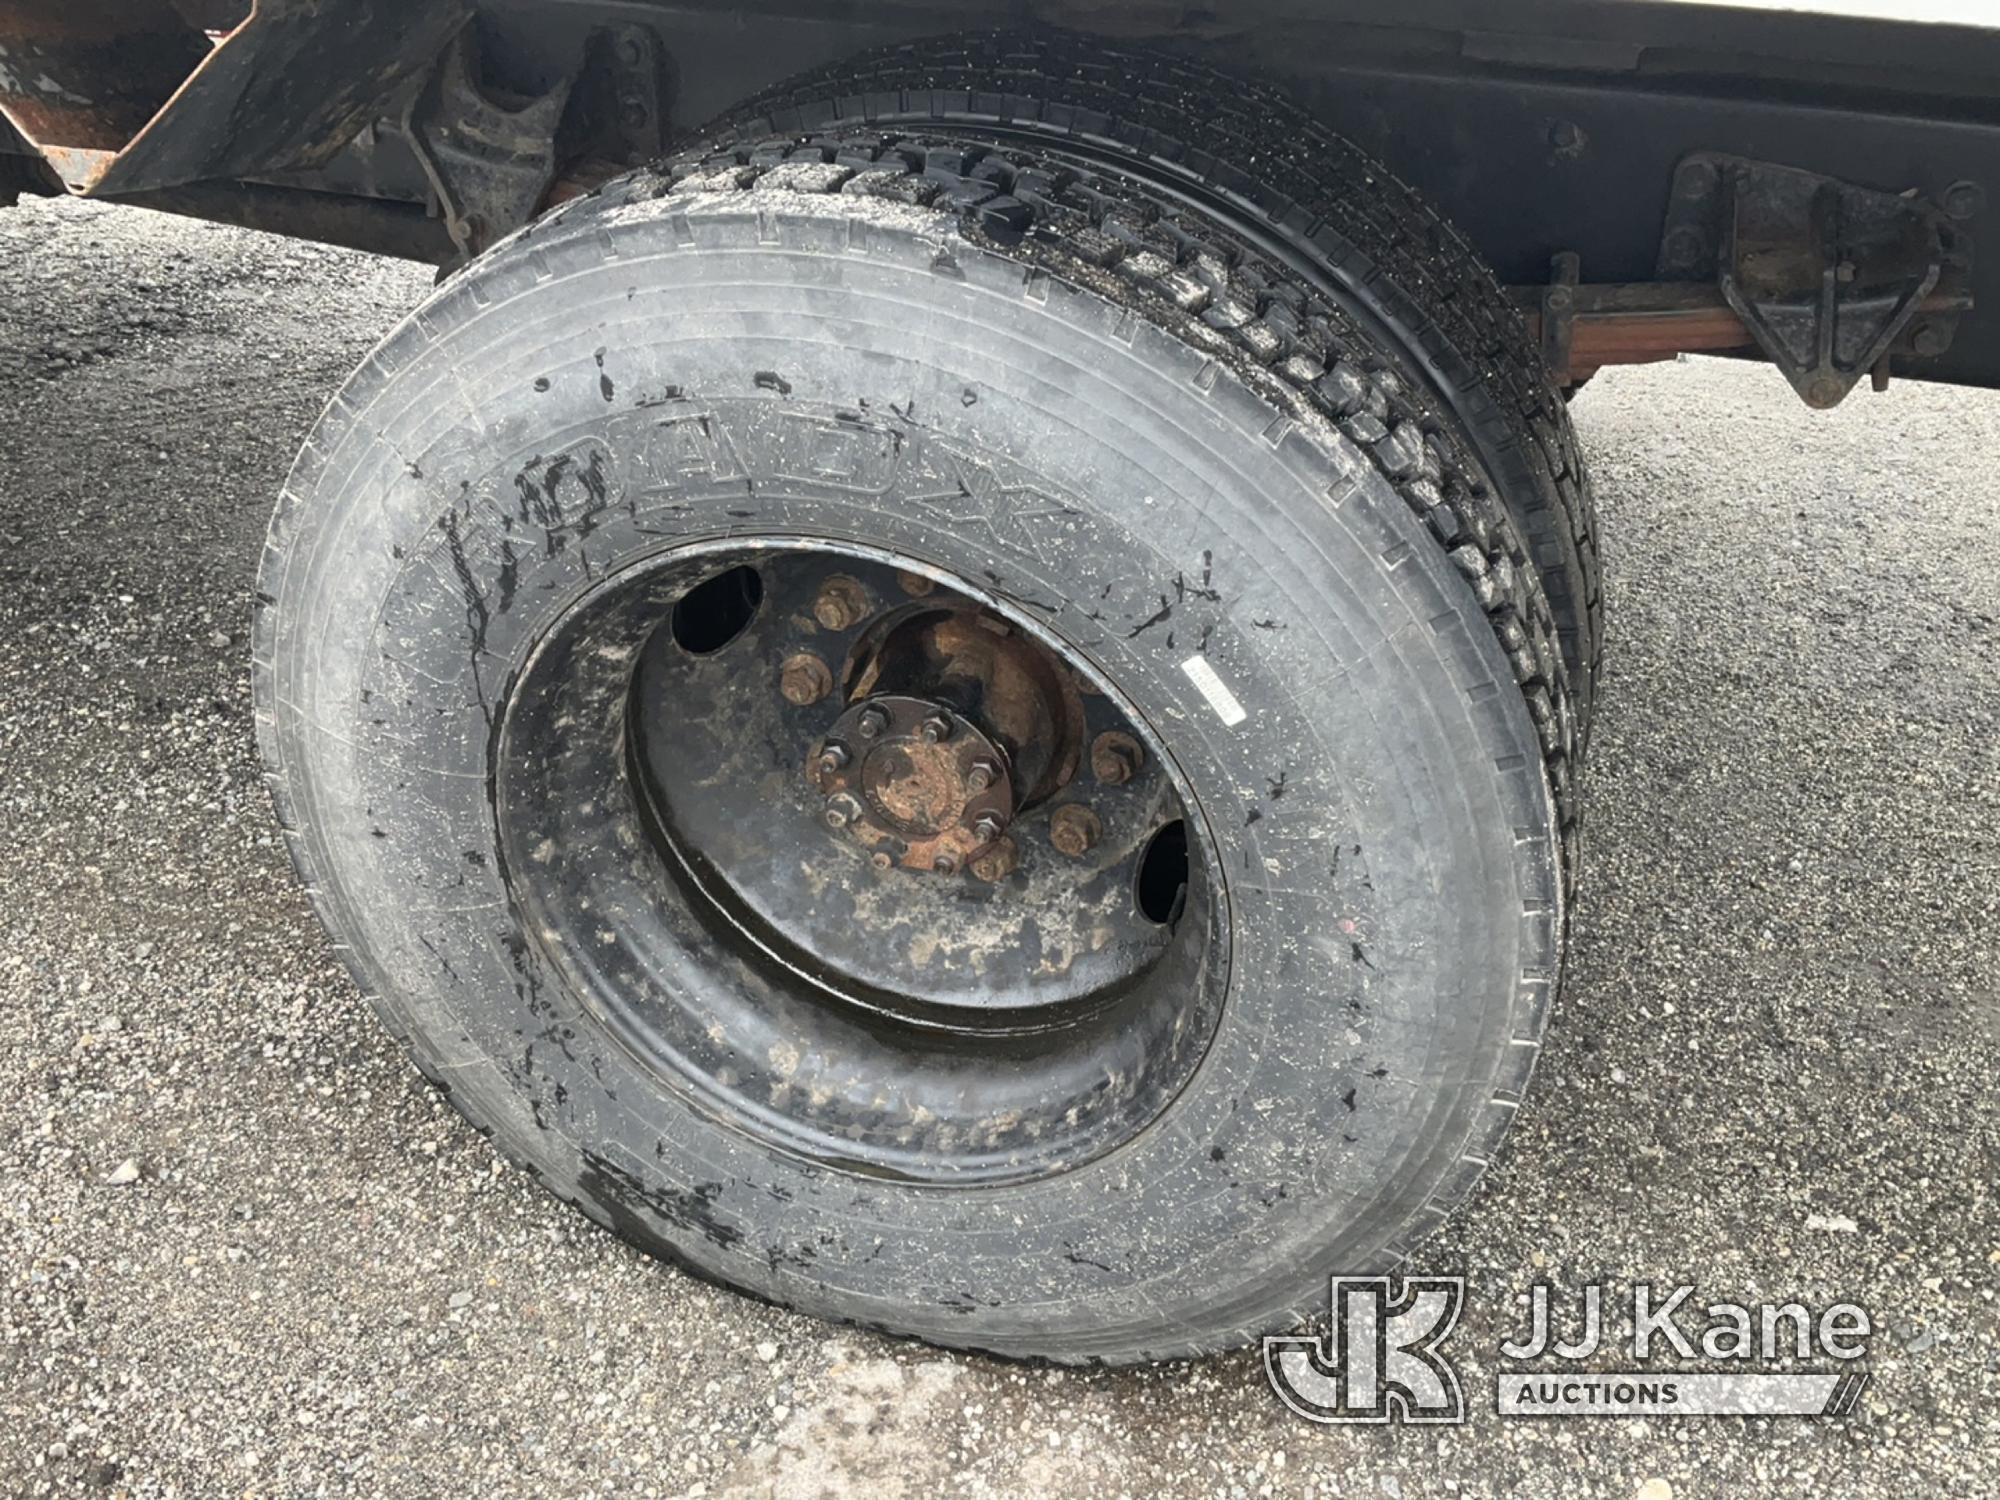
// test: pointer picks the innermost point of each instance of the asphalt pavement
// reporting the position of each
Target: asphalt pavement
(246, 1251)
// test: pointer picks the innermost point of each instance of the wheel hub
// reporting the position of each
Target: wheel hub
(915, 782)
(893, 787)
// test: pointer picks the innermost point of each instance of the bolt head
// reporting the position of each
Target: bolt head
(804, 679)
(944, 864)
(833, 758)
(840, 604)
(914, 584)
(872, 722)
(936, 729)
(982, 775)
(988, 827)
(1964, 200)
(1930, 340)
(1115, 758)
(1824, 393)
(840, 810)
(881, 859)
(1074, 829)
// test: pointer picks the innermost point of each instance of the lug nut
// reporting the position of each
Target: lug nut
(997, 861)
(988, 827)
(944, 864)
(841, 809)
(872, 722)
(1115, 758)
(914, 584)
(833, 758)
(936, 729)
(841, 604)
(1074, 829)
(804, 679)
(982, 775)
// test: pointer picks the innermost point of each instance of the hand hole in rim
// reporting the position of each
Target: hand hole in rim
(1161, 886)
(718, 610)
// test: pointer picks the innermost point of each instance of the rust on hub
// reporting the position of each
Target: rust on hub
(987, 675)
(925, 786)
(918, 787)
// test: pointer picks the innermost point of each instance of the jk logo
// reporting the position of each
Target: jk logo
(1381, 1361)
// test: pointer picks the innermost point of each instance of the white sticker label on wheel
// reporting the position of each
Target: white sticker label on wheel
(1215, 690)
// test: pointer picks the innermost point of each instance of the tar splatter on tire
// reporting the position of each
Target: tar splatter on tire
(1115, 421)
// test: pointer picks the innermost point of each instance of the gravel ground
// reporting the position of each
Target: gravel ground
(246, 1251)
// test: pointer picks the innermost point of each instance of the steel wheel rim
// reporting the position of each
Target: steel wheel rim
(757, 1028)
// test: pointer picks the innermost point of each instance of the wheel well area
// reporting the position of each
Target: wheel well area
(1551, 132)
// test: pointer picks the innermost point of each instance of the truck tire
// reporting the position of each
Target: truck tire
(1253, 158)
(932, 737)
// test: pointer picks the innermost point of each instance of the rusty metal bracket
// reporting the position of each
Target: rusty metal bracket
(1559, 315)
(490, 161)
(635, 99)
(1829, 278)
(126, 96)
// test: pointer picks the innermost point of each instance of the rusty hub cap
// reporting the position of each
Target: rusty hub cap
(932, 789)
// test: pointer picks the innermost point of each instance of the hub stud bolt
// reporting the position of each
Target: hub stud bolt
(944, 864)
(872, 722)
(833, 758)
(937, 729)
(988, 827)
(1115, 758)
(804, 679)
(1074, 829)
(982, 775)
(841, 603)
(841, 809)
